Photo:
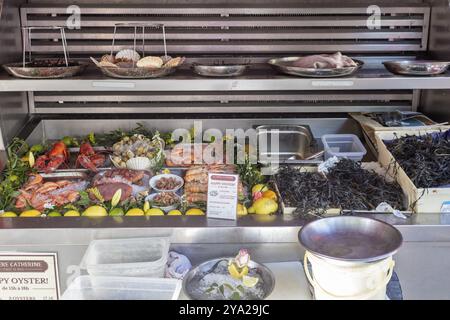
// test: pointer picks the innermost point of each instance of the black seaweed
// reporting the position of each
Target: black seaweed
(425, 159)
(347, 186)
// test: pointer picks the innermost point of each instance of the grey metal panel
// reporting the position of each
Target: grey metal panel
(13, 106)
(436, 103)
(229, 97)
(262, 109)
(185, 24)
(54, 129)
(365, 79)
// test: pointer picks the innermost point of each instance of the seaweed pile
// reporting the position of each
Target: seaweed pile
(425, 159)
(347, 186)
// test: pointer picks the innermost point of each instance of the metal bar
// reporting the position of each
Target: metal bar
(202, 22)
(245, 34)
(415, 100)
(426, 29)
(250, 96)
(233, 47)
(220, 108)
(31, 102)
(362, 81)
(217, 9)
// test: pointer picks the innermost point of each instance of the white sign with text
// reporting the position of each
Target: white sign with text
(222, 196)
(28, 276)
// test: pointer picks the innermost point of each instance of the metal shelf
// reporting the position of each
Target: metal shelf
(258, 79)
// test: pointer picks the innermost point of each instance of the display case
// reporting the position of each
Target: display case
(217, 32)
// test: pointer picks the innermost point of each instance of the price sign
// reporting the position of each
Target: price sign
(222, 196)
(28, 276)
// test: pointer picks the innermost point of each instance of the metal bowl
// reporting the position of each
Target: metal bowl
(17, 70)
(223, 70)
(284, 65)
(190, 281)
(417, 67)
(353, 239)
(137, 73)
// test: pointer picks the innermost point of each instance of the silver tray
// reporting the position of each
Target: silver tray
(190, 281)
(284, 65)
(417, 67)
(64, 175)
(17, 70)
(352, 239)
(136, 73)
(220, 70)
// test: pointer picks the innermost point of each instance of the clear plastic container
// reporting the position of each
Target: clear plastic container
(343, 146)
(136, 257)
(122, 288)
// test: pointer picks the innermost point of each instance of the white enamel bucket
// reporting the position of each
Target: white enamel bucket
(334, 279)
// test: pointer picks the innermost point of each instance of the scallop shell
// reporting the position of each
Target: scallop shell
(139, 163)
(175, 62)
(128, 55)
(150, 62)
(108, 58)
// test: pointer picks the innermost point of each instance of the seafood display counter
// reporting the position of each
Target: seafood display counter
(108, 151)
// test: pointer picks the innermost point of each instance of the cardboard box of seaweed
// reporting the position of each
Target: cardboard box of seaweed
(371, 126)
(420, 200)
(370, 166)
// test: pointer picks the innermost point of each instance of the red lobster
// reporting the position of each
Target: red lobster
(88, 158)
(53, 159)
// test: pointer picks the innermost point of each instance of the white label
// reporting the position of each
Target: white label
(332, 83)
(222, 196)
(111, 84)
(445, 207)
(29, 276)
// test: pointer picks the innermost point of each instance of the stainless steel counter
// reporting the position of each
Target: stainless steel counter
(422, 262)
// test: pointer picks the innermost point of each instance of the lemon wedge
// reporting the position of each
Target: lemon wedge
(249, 282)
(235, 273)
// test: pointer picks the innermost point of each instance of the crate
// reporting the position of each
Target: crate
(122, 288)
(370, 127)
(135, 257)
(343, 146)
(375, 166)
(420, 200)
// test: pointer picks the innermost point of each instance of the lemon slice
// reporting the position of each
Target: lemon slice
(235, 273)
(249, 282)
(31, 159)
(116, 198)
(146, 206)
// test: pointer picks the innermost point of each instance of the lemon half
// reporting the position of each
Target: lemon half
(30, 213)
(135, 212)
(154, 212)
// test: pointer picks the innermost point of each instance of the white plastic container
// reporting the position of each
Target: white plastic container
(122, 288)
(343, 146)
(340, 280)
(136, 257)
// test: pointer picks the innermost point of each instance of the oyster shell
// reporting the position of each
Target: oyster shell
(127, 55)
(108, 58)
(150, 62)
(174, 62)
